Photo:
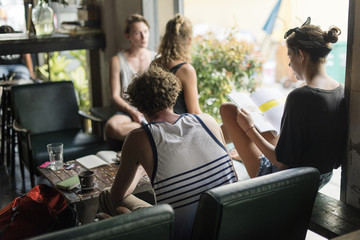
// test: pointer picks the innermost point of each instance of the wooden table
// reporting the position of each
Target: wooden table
(86, 202)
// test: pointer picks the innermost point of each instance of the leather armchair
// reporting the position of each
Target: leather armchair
(45, 113)
(144, 224)
(275, 206)
(104, 114)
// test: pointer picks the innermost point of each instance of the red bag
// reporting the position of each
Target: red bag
(32, 214)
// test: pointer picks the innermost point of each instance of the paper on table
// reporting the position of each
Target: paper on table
(101, 158)
(108, 156)
(91, 161)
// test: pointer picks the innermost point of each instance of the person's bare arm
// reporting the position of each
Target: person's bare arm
(136, 161)
(246, 123)
(115, 86)
(29, 64)
(188, 78)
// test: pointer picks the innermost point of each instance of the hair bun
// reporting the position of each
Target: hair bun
(179, 20)
(332, 34)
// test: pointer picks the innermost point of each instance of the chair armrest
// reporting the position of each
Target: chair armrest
(18, 128)
(89, 116)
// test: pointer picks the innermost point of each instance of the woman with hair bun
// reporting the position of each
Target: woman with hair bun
(314, 124)
(174, 56)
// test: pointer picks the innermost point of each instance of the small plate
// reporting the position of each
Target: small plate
(87, 189)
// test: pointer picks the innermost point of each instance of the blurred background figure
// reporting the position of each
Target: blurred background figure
(15, 66)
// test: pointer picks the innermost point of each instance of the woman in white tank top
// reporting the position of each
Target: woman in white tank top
(135, 59)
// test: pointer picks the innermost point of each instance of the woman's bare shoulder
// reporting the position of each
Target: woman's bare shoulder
(186, 70)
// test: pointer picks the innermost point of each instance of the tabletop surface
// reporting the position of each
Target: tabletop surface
(104, 177)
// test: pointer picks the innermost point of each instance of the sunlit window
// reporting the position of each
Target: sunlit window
(12, 13)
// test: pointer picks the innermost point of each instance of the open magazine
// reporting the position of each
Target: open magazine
(266, 107)
(99, 159)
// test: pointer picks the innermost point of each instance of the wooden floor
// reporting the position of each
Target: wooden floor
(12, 187)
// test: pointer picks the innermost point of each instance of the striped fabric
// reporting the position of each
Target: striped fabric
(188, 160)
(186, 188)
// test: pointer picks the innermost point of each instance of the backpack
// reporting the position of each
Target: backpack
(43, 209)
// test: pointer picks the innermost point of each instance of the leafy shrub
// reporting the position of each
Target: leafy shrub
(59, 72)
(224, 65)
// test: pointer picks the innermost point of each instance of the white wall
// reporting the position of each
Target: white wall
(252, 15)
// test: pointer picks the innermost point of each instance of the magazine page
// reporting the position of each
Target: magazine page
(242, 100)
(91, 161)
(108, 156)
(270, 102)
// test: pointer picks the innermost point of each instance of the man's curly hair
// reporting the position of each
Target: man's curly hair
(153, 91)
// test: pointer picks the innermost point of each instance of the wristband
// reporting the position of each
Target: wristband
(249, 129)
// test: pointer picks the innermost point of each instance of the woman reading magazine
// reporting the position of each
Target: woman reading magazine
(313, 126)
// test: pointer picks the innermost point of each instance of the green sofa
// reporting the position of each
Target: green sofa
(147, 223)
(275, 206)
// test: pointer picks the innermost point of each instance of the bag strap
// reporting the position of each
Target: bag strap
(15, 210)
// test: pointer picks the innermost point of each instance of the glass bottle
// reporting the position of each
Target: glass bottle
(43, 18)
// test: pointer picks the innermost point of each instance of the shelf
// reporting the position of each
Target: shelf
(21, 43)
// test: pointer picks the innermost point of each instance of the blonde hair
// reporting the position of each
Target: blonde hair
(154, 90)
(134, 18)
(174, 43)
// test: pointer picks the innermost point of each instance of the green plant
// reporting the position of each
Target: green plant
(58, 72)
(224, 65)
(57, 64)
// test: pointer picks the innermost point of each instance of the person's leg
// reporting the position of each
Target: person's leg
(18, 71)
(246, 149)
(119, 126)
(225, 133)
(111, 207)
(4, 71)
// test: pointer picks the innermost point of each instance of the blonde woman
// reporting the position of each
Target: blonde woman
(174, 56)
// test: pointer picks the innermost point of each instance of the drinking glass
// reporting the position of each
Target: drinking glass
(55, 155)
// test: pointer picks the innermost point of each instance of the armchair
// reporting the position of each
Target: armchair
(104, 114)
(48, 112)
(147, 223)
(275, 206)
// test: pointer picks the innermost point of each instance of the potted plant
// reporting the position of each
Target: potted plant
(224, 65)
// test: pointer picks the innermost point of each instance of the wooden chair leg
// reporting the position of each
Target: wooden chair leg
(13, 142)
(20, 152)
(8, 135)
(3, 125)
(22, 171)
(32, 177)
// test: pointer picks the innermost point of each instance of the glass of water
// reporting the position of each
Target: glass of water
(55, 151)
